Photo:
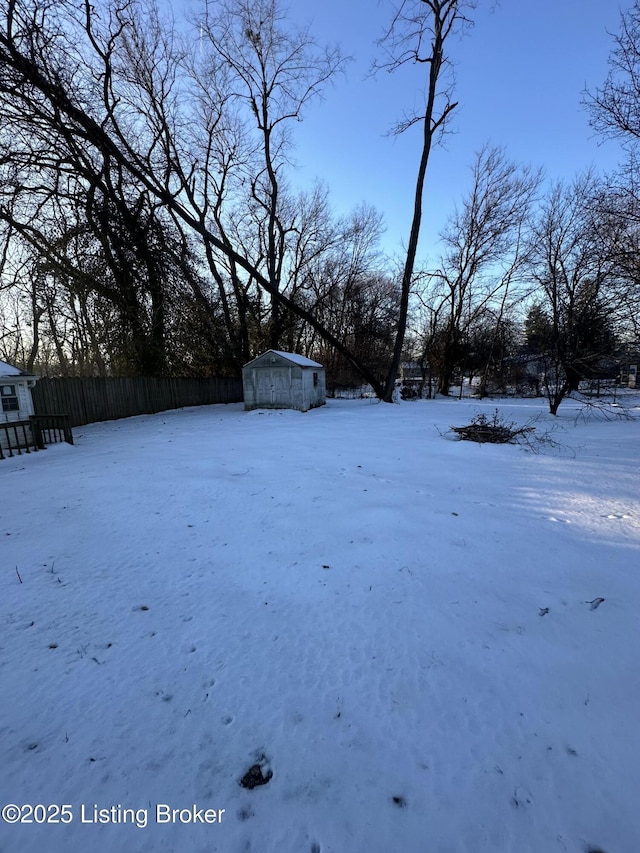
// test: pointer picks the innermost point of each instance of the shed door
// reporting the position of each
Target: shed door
(274, 386)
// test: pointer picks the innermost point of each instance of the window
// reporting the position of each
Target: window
(9, 398)
(315, 380)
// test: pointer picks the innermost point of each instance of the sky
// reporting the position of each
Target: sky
(519, 72)
(426, 644)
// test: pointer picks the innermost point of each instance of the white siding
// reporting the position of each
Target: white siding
(25, 403)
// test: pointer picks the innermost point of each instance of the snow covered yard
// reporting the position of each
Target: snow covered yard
(395, 625)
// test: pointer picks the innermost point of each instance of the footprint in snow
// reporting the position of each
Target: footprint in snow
(245, 814)
(521, 797)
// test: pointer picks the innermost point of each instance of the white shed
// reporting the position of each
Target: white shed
(283, 380)
(15, 393)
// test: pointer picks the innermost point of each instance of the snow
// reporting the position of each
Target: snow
(302, 360)
(402, 629)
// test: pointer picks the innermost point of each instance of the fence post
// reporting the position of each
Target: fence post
(36, 432)
(66, 427)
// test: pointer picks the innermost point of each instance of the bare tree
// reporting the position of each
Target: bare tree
(55, 181)
(571, 322)
(615, 113)
(615, 107)
(274, 73)
(619, 227)
(418, 33)
(342, 284)
(71, 78)
(485, 251)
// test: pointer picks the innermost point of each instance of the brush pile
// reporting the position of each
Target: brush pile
(492, 431)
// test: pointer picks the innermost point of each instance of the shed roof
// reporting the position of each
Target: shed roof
(293, 357)
(9, 370)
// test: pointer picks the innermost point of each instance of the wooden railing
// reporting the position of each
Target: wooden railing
(27, 436)
(49, 429)
(16, 437)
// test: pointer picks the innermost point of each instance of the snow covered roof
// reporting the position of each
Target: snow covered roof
(10, 370)
(301, 360)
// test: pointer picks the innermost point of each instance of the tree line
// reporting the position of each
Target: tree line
(150, 223)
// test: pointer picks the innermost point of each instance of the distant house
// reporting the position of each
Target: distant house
(410, 370)
(629, 361)
(15, 393)
(283, 380)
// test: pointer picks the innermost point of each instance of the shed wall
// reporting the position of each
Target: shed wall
(314, 394)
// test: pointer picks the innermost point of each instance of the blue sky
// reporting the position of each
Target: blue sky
(520, 73)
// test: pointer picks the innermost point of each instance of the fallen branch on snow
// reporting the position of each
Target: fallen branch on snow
(494, 431)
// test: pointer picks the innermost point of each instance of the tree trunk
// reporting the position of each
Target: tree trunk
(430, 126)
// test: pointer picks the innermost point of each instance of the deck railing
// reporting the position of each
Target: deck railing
(29, 436)
(49, 429)
(16, 437)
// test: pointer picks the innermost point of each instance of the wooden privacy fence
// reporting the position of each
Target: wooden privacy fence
(89, 399)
